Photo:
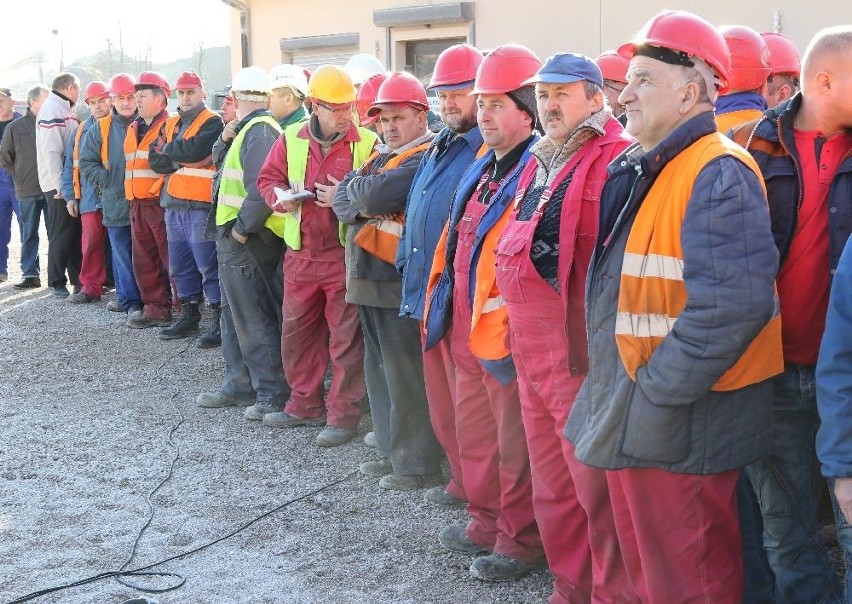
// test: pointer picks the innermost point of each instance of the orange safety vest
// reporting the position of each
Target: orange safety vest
(726, 121)
(653, 292)
(489, 322)
(75, 156)
(194, 183)
(140, 181)
(380, 236)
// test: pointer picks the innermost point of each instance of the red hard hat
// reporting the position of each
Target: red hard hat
(96, 90)
(367, 95)
(783, 56)
(505, 69)
(152, 79)
(400, 87)
(122, 83)
(688, 33)
(456, 67)
(188, 80)
(749, 57)
(613, 66)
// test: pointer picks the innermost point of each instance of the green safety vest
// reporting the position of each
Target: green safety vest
(232, 191)
(297, 166)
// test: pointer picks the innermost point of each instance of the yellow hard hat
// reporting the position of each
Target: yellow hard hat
(331, 84)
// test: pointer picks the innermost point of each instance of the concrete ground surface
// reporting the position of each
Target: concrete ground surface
(86, 407)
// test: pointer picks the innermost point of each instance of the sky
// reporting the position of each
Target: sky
(172, 28)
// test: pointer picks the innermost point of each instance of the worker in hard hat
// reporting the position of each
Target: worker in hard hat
(249, 247)
(82, 199)
(784, 69)
(299, 178)
(289, 88)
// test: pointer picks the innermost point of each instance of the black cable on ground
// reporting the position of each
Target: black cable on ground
(145, 571)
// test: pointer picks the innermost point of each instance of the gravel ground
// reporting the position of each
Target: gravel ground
(86, 406)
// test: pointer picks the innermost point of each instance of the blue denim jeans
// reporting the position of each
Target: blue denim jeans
(31, 210)
(126, 289)
(192, 258)
(8, 207)
(787, 482)
(844, 537)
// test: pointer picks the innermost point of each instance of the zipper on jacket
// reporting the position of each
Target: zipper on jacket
(801, 194)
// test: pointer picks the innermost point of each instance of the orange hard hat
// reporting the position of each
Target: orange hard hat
(783, 56)
(95, 90)
(688, 35)
(366, 95)
(152, 79)
(749, 57)
(188, 80)
(122, 83)
(613, 66)
(456, 67)
(400, 87)
(505, 69)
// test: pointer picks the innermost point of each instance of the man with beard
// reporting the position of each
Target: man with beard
(427, 210)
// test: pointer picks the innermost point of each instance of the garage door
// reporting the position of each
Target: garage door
(313, 58)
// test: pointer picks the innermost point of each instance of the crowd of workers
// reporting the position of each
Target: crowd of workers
(599, 291)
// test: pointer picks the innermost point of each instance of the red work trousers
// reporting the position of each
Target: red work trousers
(318, 325)
(571, 500)
(150, 257)
(439, 371)
(679, 534)
(492, 444)
(93, 267)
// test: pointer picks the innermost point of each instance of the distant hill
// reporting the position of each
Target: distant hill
(212, 64)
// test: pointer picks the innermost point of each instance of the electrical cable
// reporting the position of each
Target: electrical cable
(145, 571)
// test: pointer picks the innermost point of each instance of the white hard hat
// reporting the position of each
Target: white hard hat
(289, 75)
(251, 79)
(362, 66)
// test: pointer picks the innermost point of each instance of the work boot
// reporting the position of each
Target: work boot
(28, 283)
(410, 482)
(217, 398)
(137, 320)
(186, 325)
(332, 436)
(455, 539)
(114, 306)
(498, 568)
(379, 467)
(282, 419)
(259, 411)
(439, 496)
(80, 298)
(212, 338)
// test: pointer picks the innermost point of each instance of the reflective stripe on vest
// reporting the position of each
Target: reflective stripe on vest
(297, 167)
(380, 236)
(140, 182)
(653, 292)
(75, 163)
(232, 190)
(194, 183)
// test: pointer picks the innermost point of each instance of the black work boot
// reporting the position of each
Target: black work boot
(186, 325)
(213, 337)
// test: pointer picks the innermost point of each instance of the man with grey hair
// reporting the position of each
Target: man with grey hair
(804, 149)
(18, 157)
(681, 283)
(56, 125)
